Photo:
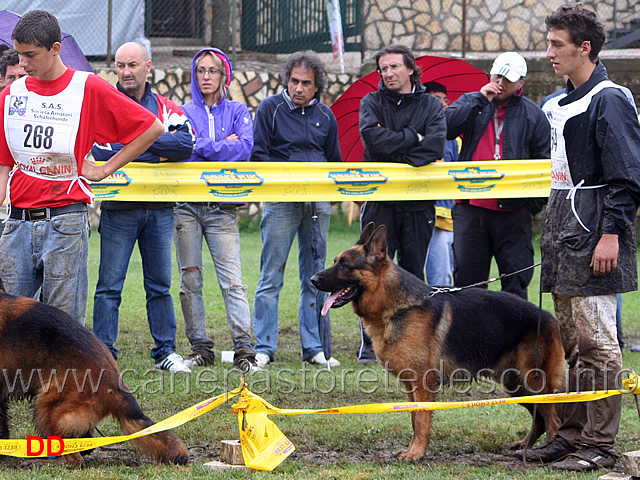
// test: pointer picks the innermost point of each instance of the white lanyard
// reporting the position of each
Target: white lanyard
(498, 128)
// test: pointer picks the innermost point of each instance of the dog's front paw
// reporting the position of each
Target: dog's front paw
(411, 454)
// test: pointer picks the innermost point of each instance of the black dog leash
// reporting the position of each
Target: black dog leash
(534, 414)
(436, 290)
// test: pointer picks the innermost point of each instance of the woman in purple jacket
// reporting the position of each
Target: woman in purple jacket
(224, 133)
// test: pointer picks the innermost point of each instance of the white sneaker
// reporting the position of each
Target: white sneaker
(320, 359)
(254, 367)
(262, 360)
(173, 363)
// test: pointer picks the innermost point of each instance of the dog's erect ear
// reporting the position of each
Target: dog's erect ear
(366, 233)
(377, 243)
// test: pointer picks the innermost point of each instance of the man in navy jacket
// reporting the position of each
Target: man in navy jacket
(292, 126)
(148, 223)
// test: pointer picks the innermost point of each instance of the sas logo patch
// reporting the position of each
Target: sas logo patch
(18, 105)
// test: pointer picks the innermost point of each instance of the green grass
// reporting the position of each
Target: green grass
(466, 443)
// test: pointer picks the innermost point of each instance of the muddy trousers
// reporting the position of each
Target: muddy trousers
(589, 337)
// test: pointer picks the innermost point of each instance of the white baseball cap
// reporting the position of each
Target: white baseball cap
(510, 65)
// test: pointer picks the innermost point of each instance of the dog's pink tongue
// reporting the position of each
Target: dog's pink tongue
(329, 301)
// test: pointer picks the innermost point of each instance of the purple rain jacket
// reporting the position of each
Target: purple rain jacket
(213, 125)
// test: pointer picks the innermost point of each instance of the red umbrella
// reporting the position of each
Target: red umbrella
(457, 75)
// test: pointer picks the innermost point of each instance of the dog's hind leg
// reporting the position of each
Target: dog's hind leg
(539, 378)
(65, 415)
(512, 383)
(537, 427)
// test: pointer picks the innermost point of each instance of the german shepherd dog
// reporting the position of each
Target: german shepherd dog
(72, 378)
(417, 333)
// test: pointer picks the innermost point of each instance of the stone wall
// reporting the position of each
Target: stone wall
(251, 87)
(248, 87)
(492, 25)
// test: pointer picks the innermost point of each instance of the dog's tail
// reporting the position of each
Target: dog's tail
(164, 447)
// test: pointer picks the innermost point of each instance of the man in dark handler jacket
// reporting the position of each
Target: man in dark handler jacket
(400, 122)
(497, 123)
(589, 243)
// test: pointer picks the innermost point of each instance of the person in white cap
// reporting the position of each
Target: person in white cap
(497, 123)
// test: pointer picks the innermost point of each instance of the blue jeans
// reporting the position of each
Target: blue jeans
(119, 231)
(219, 227)
(52, 254)
(439, 266)
(280, 223)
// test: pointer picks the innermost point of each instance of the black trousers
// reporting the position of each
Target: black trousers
(480, 234)
(408, 236)
(408, 232)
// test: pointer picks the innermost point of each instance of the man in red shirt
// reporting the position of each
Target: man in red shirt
(50, 120)
(497, 123)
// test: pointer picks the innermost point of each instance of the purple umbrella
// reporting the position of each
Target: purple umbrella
(71, 54)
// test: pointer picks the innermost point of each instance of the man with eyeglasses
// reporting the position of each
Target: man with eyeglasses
(497, 123)
(401, 123)
(150, 224)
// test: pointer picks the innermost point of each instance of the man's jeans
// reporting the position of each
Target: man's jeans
(119, 231)
(52, 254)
(219, 227)
(280, 223)
(439, 266)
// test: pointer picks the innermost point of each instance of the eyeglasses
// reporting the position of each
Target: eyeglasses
(393, 68)
(212, 71)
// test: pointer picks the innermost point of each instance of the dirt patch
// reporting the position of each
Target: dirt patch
(478, 459)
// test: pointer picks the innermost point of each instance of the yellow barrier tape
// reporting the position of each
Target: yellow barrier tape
(569, 397)
(264, 446)
(306, 182)
(20, 447)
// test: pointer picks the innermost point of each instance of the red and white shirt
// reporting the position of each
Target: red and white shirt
(50, 126)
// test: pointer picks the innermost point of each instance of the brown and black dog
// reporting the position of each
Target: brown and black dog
(72, 378)
(423, 337)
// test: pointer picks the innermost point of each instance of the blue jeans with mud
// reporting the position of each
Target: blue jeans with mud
(281, 222)
(218, 225)
(49, 254)
(152, 229)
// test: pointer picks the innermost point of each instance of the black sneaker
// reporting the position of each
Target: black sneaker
(585, 460)
(551, 451)
(199, 360)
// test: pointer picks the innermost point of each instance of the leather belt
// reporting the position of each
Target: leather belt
(45, 213)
